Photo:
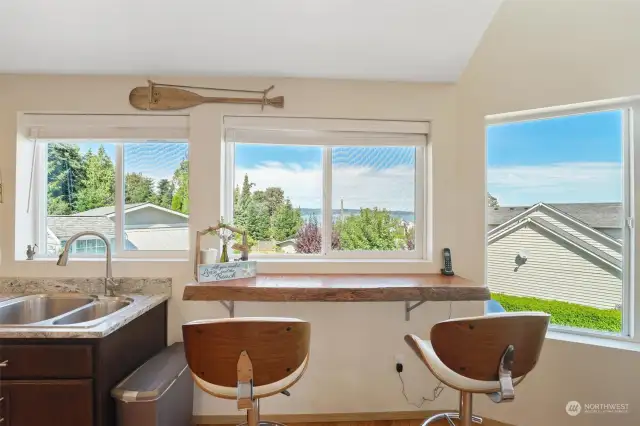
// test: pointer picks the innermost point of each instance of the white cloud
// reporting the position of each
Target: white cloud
(556, 183)
(391, 188)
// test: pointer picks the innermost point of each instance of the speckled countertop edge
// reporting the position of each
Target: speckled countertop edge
(153, 291)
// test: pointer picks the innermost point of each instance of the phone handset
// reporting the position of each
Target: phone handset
(448, 266)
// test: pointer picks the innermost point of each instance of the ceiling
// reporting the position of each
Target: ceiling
(411, 40)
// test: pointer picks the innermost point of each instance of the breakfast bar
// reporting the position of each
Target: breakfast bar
(339, 288)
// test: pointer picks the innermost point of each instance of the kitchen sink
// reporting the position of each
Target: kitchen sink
(40, 307)
(61, 310)
(94, 311)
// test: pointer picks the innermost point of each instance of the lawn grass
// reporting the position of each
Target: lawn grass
(564, 313)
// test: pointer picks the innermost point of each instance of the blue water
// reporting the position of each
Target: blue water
(308, 213)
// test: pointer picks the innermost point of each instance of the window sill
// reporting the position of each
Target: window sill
(101, 259)
(613, 342)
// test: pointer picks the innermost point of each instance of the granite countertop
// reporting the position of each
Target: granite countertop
(146, 294)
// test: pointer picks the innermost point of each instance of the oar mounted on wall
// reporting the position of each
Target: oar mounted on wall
(166, 97)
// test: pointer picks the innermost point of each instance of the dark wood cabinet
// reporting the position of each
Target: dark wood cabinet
(68, 382)
(48, 402)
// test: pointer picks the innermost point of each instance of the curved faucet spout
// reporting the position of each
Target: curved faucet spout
(109, 284)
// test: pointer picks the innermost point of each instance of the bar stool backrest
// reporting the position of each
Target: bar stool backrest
(276, 346)
(473, 347)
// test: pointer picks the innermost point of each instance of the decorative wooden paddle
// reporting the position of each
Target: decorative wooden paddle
(164, 97)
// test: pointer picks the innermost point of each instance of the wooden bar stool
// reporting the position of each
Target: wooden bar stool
(489, 354)
(247, 359)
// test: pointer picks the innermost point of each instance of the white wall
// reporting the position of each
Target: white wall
(540, 53)
(353, 345)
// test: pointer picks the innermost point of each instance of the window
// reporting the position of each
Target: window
(340, 192)
(559, 217)
(80, 190)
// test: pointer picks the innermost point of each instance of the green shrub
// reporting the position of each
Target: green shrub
(564, 313)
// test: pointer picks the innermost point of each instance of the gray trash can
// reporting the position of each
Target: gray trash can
(159, 393)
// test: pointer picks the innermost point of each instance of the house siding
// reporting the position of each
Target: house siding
(554, 270)
(575, 232)
(150, 216)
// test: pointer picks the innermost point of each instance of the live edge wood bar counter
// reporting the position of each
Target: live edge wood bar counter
(339, 288)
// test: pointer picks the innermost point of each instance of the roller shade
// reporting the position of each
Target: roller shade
(83, 126)
(305, 131)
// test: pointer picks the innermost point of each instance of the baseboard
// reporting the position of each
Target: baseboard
(324, 418)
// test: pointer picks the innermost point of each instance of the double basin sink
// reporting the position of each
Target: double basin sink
(59, 310)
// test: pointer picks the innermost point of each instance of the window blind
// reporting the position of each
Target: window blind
(305, 131)
(87, 126)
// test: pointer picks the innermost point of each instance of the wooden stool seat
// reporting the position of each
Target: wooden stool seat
(489, 354)
(247, 358)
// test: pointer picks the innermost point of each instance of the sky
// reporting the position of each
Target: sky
(156, 160)
(571, 159)
(382, 177)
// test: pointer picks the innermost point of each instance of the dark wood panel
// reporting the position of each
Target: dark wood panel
(40, 361)
(340, 288)
(120, 353)
(48, 402)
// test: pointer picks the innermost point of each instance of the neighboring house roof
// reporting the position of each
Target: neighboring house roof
(525, 218)
(64, 227)
(595, 215)
(170, 238)
(110, 210)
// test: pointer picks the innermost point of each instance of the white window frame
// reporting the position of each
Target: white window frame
(324, 127)
(631, 204)
(108, 129)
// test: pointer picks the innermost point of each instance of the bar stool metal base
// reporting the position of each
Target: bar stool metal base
(449, 417)
(464, 415)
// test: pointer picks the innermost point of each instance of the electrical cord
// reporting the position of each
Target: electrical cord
(436, 391)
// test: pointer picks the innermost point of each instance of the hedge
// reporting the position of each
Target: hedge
(564, 313)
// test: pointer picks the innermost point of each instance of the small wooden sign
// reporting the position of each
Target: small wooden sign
(226, 271)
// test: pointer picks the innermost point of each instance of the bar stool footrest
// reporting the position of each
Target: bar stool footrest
(449, 417)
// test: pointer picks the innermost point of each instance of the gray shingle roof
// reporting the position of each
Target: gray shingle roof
(65, 226)
(596, 215)
(103, 211)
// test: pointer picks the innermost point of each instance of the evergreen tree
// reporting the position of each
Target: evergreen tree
(98, 188)
(285, 222)
(180, 201)
(165, 193)
(138, 188)
(257, 221)
(241, 213)
(65, 176)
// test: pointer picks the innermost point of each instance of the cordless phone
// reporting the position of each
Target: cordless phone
(448, 268)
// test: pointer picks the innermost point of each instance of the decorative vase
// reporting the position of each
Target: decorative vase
(224, 256)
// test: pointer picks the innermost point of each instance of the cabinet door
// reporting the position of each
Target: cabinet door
(47, 402)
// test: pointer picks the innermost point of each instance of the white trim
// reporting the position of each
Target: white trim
(119, 198)
(105, 126)
(145, 205)
(631, 204)
(119, 251)
(346, 131)
(327, 202)
(326, 124)
(585, 228)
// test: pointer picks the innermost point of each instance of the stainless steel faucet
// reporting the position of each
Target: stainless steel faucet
(109, 284)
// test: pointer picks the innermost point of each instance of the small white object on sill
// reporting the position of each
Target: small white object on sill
(209, 256)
